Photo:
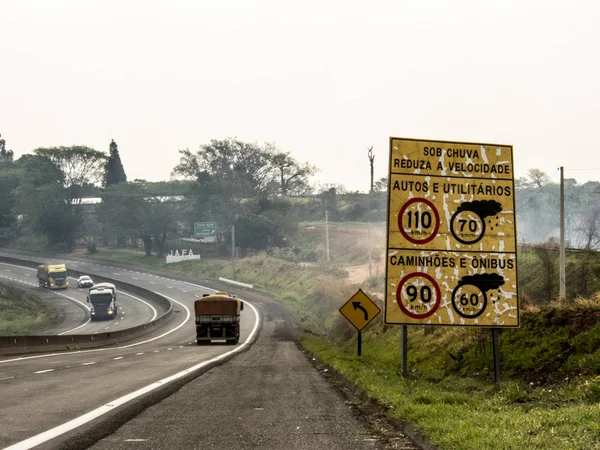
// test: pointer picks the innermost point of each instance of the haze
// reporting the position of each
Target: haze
(324, 80)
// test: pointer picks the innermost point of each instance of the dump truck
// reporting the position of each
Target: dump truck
(103, 301)
(52, 276)
(218, 318)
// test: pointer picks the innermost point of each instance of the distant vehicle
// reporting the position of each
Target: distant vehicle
(218, 318)
(103, 301)
(52, 276)
(85, 281)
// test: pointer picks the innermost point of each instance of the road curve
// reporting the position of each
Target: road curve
(74, 317)
(267, 397)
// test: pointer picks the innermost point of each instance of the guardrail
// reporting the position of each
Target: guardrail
(14, 345)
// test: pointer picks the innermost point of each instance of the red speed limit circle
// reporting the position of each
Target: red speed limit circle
(415, 221)
(418, 297)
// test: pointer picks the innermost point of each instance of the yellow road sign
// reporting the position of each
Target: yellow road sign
(360, 310)
(451, 247)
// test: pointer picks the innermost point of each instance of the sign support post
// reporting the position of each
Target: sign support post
(360, 311)
(496, 351)
(404, 344)
(359, 342)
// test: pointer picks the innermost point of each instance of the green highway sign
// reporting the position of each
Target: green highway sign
(205, 229)
(5, 232)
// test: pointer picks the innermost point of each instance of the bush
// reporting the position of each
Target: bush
(91, 248)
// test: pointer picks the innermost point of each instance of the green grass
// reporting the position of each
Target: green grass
(22, 313)
(466, 413)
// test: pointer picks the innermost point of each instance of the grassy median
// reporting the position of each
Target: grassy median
(22, 313)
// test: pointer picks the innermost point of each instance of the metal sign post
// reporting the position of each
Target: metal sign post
(360, 311)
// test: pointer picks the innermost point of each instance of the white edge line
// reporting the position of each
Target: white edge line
(144, 302)
(88, 417)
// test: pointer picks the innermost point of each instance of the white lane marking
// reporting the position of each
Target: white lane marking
(106, 328)
(118, 357)
(88, 363)
(6, 378)
(27, 274)
(170, 287)
(7, 270)
(185, 292)
(152, 282)
(88, 417)
(155, 315)
(140, 353)
(170, 348)
(188, 315)
(44, 371)
(118, 274)
(57, 293)
(136, 440)
(134, 278)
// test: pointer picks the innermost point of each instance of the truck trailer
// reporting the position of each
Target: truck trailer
(52, 276)
(218, 318)
(103, 301)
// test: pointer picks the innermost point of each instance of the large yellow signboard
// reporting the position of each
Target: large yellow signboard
(451, 250)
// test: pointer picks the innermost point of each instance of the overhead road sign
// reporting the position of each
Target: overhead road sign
(451, 250)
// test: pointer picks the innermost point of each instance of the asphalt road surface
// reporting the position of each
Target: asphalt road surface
(74, 316)
(159, 393)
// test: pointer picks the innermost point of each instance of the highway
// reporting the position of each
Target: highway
(73, 309)
(267, 396)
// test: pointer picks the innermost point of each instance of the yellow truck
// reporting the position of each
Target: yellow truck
(52, 276)
(218, 318)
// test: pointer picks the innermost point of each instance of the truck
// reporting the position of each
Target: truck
(218, 318)
(103, 301)
(52, 276)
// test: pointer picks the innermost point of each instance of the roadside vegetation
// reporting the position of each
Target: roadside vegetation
(550, 391)
(549, 396)
(22, 313)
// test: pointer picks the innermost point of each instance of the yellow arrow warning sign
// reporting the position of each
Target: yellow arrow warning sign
(360, 310)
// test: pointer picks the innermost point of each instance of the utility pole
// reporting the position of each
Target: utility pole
(233, 250)
(371, 159)
(369, 231)
(327, 234)
(563, 285)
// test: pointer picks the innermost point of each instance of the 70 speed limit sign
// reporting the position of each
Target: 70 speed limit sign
(451, 250)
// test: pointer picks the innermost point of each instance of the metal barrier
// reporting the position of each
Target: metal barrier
(14, 345)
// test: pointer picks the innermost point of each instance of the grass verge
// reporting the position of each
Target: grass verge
(22, 313)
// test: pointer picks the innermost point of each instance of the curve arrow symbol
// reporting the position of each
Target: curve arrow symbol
(357, 305)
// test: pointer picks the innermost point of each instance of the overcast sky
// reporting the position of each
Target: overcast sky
(324, 80)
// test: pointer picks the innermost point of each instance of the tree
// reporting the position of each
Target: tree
(291, 177)
(114, 172)
(6, 156)
(538, 178)
(79, 165)
(381, 185)
(137, 210)
(254, 231)
(246, 166)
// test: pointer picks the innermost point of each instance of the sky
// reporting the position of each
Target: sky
(324, 80)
